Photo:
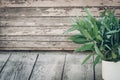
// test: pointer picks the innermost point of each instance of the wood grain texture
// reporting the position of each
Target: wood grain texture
(36, 44)
(98, 71)
(49, 66)
(58, 3)
(40, 24)
(38, 48)
(42, 38)
(75, 71)
(65, 11)
(18, 67)
(3, 59)
(36, 21)
(35, 31)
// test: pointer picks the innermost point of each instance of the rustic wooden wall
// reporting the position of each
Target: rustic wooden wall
(39, 24)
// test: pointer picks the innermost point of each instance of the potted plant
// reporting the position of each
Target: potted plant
(102, 38)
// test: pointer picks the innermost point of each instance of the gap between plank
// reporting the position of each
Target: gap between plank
(94, 76)
(33, 66)
(63, 67)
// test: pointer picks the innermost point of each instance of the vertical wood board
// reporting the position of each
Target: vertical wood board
(75, 71)
(3, 59)
(49, 66)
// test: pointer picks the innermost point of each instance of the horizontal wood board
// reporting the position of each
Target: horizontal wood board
(51, 11)
(58, 3)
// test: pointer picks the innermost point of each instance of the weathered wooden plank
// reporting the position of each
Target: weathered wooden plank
(37, 48)
(3, 59)
(36, 38)
(49, 66)
(34, 31)
(98, 71)
(75, 71)
(18, 67)
(52, 11)
(52, 3)
(36, 44)
(36, 21)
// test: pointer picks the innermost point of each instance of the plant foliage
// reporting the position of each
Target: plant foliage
(100, 36)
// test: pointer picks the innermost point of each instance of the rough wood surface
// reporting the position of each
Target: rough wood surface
(36, 21)
(40, 24)
(58, 3)
(98, 71)
(49, 66)
(38, 48)
(35, 38)
(30, 44)
(75, 71)
(34, 31)
(31, 11)
(18, 67)
(3, 59)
